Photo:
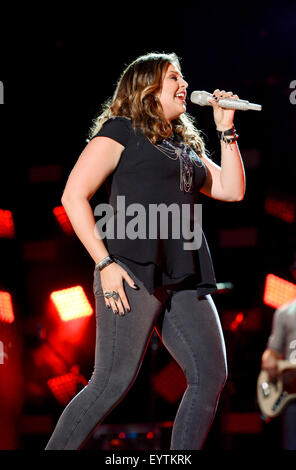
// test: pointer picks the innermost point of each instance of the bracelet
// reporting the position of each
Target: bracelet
(229, 132)
(229, 136)
(104, 262)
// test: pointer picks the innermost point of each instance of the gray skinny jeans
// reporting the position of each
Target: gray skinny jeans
(190, 330)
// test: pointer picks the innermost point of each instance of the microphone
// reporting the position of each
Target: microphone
(201, 98)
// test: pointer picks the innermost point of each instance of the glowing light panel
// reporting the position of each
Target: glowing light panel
(71, 303)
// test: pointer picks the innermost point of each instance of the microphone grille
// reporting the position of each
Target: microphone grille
(200, 97)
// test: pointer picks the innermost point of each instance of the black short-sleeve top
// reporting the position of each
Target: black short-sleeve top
(148, 177)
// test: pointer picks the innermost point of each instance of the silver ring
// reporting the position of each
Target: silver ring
(113, 294)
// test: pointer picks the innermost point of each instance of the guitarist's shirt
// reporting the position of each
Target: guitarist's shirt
(283, 334)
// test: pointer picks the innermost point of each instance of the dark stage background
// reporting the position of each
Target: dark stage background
(58, 65)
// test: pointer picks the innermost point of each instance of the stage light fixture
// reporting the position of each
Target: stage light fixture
(6, 308)
(65, 387)
(71, 303)
(239, 318)
(63, 220)
(7, 229)
(280, 207)
(278, 291)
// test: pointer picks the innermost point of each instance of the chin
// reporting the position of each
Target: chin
(177, 115)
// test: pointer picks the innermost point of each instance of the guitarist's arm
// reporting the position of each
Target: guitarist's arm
(269, 362)
(275, 345)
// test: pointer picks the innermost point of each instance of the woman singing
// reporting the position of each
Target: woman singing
(146, 150)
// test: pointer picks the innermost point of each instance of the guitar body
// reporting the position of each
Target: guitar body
(273, 396)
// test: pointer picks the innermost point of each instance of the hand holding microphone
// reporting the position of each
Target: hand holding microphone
(229, 102)
(223, 117)
(224, 105)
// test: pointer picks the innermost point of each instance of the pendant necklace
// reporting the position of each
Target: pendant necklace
(187, 157)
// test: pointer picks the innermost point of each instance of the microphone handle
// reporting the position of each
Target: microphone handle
(240, 105)
(201, 98)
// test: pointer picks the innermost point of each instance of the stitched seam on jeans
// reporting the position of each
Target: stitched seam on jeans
(184, 434)
(182, 336)
(83, 413)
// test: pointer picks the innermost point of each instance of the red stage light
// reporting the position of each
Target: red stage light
(65, 387)
(6, 224)
(150, 435)
(71, 303)
(6, 308)
(241, 423)
(45, 173)
(278, 291)
(170, 382)
(237, 321)
(280, 207)
(249, 320)
(63, 220)
(115, 443)
(40, 250)
(238, 237)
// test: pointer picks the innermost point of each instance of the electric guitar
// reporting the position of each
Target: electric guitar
(274, 395)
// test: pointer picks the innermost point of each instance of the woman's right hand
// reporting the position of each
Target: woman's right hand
(112, 277)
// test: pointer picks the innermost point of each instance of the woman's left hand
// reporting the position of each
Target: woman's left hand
(223, 117)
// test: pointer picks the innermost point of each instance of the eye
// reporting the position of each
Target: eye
(174, 77)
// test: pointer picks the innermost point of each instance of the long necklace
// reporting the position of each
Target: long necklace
(187, 158)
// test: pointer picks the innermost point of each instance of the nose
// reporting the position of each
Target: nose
(183, 83)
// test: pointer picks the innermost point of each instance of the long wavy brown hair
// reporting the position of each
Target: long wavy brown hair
(134, 97)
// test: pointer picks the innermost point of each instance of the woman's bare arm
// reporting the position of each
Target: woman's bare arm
(97, 161)
(225, 183)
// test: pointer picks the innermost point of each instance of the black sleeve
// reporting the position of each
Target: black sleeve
(117, 128)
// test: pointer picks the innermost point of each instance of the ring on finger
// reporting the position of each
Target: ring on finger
(113, 294)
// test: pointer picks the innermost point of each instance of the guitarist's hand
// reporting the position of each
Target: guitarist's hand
(269, 363)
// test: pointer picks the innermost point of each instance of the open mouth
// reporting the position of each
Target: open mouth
(181, 96)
